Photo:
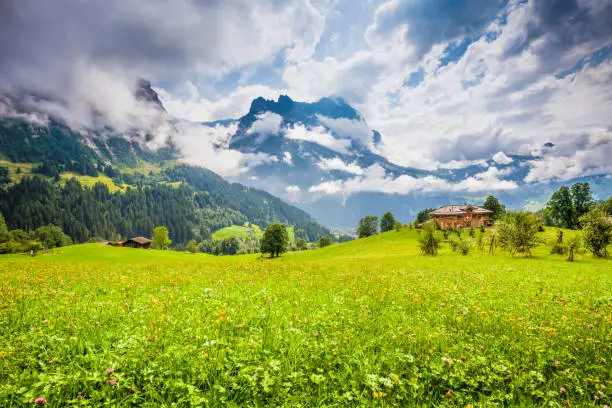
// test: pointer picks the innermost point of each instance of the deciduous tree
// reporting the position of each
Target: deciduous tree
(275, 240)
(368, 226)
(518, 233)
(161, 239)
(597, 232)
(387, 222)
(192, 246)
(493, 204)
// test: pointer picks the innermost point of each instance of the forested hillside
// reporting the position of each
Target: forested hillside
(148, 188)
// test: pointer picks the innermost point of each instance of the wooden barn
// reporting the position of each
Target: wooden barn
(462, 216)
(138, 242)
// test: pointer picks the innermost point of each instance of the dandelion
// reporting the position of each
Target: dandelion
(111, 382)
(40, 401)
(562, 390)
(110, 370)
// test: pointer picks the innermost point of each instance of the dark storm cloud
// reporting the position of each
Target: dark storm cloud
(83, 57)
(562, 24)
(434, 21)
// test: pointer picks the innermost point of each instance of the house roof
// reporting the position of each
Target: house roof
(140, 240)
(459, 210)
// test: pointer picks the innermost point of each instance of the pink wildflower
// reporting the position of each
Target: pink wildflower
(562, 390)
(111, 382)
(557, 362)
(110, 370)
(40, 401)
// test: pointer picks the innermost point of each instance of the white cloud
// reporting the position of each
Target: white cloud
(287, 158)
(355, 129)
(579, 157)
(185, 102)
(500, 95)
(198, 146)
(294, 193)
(374, 179)
(501, 158)
(268, 123)
(317, 135)
(337, 163)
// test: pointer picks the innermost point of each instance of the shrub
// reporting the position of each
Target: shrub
(597, 232)
(192, 246)
(301, 244)
(572, 245)
(464, 247)
(229, 246)
(429, 241)
(454, 243)
(558, 247)
(518, 232)
(324, 241)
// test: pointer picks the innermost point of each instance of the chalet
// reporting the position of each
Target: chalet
(138, 242)
(462, 216)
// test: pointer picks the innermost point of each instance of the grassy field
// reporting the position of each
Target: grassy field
(239, 231)
(243, 232)
(90, 181)
(25, 169)
(365, 323)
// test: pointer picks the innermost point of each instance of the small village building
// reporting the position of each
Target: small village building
(462, 216)
(138, 242)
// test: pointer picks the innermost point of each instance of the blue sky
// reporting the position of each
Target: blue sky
(472, 78)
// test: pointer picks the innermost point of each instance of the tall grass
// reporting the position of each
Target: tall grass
(365, 323)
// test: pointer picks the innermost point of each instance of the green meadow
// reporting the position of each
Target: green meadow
(365, 323)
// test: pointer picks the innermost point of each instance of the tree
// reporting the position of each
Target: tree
(424, 215)
(387, 222)
(518, 232)
(368, 226)
(324, 241)
(275, 240)
(560, 208)
(606, 206)
(493, 204)
(397, 226)
(301, 244)
(429, 241)
(230, 246)
(582, 198)
(597, 232)
(192, 246)
(51, 236)
(160, 238)
(5, 176)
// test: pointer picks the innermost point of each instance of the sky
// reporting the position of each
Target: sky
(447, 83)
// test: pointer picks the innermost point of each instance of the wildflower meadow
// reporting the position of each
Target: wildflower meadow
(365, 323)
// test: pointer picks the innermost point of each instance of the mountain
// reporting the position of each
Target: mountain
(325, 158)
(54, 168)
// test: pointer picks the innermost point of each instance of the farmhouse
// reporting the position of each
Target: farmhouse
(461, 216)
(138, 242)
